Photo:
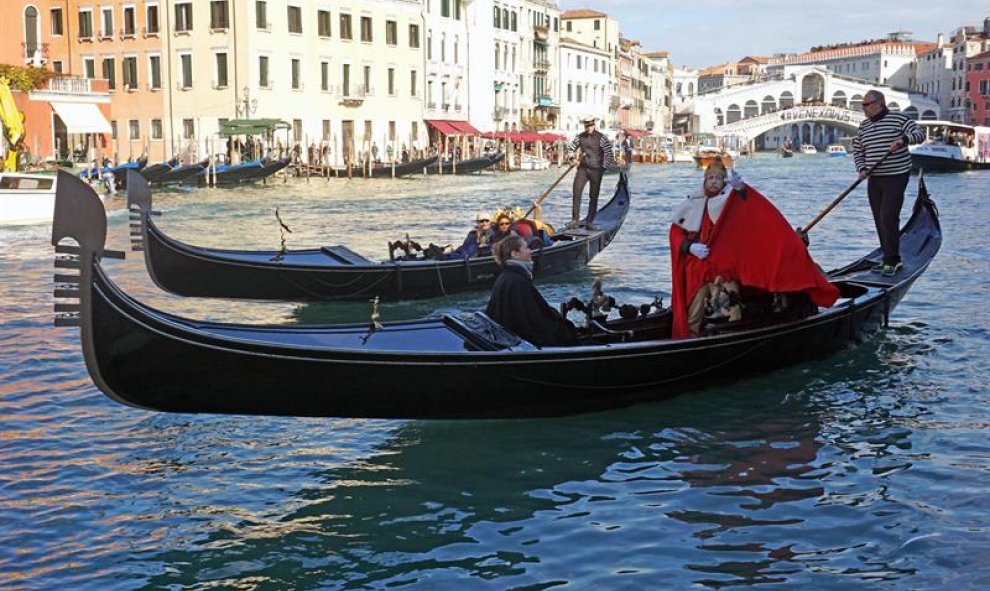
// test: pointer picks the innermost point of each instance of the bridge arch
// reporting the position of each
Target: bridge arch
(786, 100)
(912, 112)
(805, 122)
(856, 102)
(813, 88)
(893, 106)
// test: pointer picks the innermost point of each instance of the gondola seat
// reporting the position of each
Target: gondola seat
(481, 333)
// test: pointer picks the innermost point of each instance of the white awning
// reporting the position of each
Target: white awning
(82, 117)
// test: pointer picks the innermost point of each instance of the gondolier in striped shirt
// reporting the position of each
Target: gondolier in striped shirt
(881, 132)
(595, 157)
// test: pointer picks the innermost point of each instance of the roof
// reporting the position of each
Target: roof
(657, 54)
(582, 13)
(760, 59)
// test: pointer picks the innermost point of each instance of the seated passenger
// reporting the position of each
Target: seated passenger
(502, 228)
(723, 242)
(517, 305)
(475, 240)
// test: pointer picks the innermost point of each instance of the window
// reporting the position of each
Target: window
(134, 129)
(391, 134)
(345, 80)
(457, 9)
(221, 58)
(130, 22)
(56, 18)
(85, 24)
(186, 70)
(183, 17)
(109, 73)
(130, 73)
(113, 129)
(296, 74)
(367, 130)
(412, 83)
(444, 7)
(323, 23)
(188, 129)
(366, 29)
(155, 72)
(514, 26)
(261, 14)
(156, 129)
(219, 15)
(568, 27)
(263, 80)
(326, 130)
(57, 67)
(598, 25)
(367, 80)
(151, 19)
(498, 18)
(391, 81)
(325, 76)
(413, 35)
(32, 31)
(106, 22)
(345, 27)
(89, 67)
(414, 132)
(295, 20)
(391, 33)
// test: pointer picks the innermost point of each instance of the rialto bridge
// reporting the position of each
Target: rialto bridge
(809, 104)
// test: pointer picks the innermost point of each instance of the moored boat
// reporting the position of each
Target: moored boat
(469, 166)
(339, 273)
(429, 368)
(385, 171)
(706, 156)
(26, 198)
(245, 172)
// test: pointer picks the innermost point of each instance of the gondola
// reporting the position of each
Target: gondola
(181, 173)
(339, 273)
(470, 166)
(119, 172)
(245, 172)
(156, 172)
(455, 366)
(387, 170)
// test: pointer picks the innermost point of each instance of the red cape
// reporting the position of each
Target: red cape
(752, 243)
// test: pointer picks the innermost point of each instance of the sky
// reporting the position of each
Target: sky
(700, 33)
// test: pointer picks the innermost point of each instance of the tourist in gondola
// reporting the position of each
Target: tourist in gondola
(502, 228)
(722, 243)
(885, 132)
(595, 156)
(517, 305)
(478, 238)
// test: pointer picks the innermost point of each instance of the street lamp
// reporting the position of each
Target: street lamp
(250, 105)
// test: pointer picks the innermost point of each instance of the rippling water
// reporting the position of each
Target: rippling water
(868, 469)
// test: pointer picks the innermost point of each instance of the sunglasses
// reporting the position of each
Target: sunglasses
(868, 103)
(505, 223)
(483, 221)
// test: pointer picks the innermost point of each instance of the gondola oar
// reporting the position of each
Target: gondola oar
(547, 192)
(831, 206)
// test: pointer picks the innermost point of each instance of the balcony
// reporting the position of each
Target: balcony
(353, 96)
(541, 65)
(69, 85)
(499, 113)
(30, 52)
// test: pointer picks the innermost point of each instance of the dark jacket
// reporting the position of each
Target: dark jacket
(517, 305)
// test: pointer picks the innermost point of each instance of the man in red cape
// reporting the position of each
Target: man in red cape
(739, 237)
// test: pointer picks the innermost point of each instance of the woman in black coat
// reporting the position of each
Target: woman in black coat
(517, 305)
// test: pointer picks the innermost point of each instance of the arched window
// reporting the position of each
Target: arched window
(928, 115)
(769, 105)
(31, 32)
(839, 98)
(786, 100)
(912, 112)
(732, 114)
(893, 106)
(751, 109)
(498, 18)
(690, 88)
(813, 89)
(678, 89)
(856, 102)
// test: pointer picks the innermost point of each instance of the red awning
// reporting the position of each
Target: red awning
(552, 137)
(636, 132)
(452, 127)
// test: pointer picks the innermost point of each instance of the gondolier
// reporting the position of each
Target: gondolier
(595, 157)
(882, 132)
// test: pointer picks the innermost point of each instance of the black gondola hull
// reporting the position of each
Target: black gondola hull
(469, 166)
(938, 164)
(336, 273)
(386, 171)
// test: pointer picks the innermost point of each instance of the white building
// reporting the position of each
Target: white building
(660, 112)
(933, 74)
(600, 31)
(446, 59)
(685, 82)
(539, 31)
(586, 80)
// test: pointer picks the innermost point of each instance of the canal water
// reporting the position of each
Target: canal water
(868, 469)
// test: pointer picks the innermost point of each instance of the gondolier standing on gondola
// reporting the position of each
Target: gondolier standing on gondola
(885, 135)
(594, 157)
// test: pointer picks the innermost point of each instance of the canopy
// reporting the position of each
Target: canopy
(636, 132)
(250, 126)
(81, 117)
(525, 137)
(448, 127)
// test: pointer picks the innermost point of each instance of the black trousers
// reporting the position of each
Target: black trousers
(886, 199)
(583, 176)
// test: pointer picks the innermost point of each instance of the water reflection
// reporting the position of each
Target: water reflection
(726, 477)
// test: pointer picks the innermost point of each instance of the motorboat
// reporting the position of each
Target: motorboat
(808, 149)
(836, 150)
(951, 147)
(26, 198)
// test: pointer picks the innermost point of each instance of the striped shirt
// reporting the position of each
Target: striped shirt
(873, 141)
(608, 159)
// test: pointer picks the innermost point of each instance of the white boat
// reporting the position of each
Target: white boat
(835, 150)
(808, 149)
(26, 198)
(530, 162)
(951, 147)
